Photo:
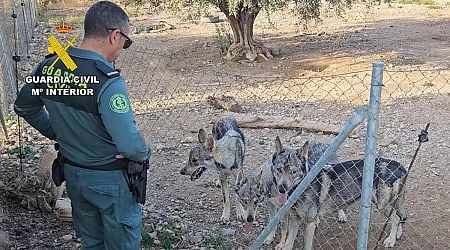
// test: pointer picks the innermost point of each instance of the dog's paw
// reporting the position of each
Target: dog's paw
(341, 216)
(218, 184)
(268, 240)
(225, 218)
(280, 246)
(389, 242)
(240, 216)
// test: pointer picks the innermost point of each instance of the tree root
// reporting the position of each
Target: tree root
(255, 52)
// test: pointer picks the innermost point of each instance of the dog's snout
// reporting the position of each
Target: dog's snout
(250, 218)
(283, 188)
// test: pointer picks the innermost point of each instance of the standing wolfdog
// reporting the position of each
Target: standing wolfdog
(223, 151)
(336, 187)
(261, 187)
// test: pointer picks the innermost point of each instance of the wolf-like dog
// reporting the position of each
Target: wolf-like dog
(336, 187)
(223, 151)
(261, 187)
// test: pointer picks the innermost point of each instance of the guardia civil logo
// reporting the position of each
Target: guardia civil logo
(61, 52)
(119, 103)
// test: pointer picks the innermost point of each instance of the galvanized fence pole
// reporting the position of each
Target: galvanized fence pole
(370, 153)
(358, 116)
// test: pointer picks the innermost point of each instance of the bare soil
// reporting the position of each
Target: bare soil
(320, 74)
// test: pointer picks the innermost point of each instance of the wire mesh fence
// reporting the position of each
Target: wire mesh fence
(172, 104)
(17, 19)
(171, 93)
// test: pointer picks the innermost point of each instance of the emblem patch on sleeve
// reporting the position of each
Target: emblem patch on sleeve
(119, 103)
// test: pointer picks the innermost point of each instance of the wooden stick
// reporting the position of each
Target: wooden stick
(283, 122)
(422, 138)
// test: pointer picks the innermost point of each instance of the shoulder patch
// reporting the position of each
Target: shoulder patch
(107, 70)
(119, 103)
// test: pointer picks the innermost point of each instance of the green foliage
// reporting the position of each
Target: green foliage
(11, 116)
(222, 39)
(304, 9)
(307, 9)
(217, 242)
(168, 239)
(27, 151)
(434, 7)
(147, 240)
(165, 237)
(46, 3)
(423, 2)
(132, 2)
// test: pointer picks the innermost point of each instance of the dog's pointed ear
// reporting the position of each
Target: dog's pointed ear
(303, 154)
(257, 178)
(201, 135)
(240, 178)
(209, 144)
(278, 145)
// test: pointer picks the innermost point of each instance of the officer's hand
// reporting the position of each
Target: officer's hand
(120, 157)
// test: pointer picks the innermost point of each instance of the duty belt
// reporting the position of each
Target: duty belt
(119, 164)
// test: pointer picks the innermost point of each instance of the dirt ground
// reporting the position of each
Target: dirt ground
(319, 74)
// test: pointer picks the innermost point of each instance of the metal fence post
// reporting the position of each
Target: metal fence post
(358, 116)
(370, 153)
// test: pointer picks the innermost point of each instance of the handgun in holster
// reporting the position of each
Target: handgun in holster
(58, 167)
(136, 173)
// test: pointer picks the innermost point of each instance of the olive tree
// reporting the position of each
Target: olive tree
(241, 15)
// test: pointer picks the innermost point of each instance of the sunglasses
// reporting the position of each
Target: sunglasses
(128, 41)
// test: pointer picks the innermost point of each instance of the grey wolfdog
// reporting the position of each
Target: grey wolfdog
(223, 151)
(262, 187)
(336, 187)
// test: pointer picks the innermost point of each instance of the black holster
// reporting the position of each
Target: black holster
(136, 174)
(58, 168)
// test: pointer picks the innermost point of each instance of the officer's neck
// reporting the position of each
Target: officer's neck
(97, 46)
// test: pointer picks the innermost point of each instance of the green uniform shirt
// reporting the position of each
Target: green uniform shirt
(91, 130)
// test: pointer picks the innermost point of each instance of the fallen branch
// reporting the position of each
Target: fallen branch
(281, 122)
(224, 102)
(161, 26)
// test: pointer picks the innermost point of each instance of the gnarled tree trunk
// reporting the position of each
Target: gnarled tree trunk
(241, 22)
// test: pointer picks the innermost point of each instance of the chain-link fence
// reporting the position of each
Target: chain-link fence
(173, 101)
(172, 92)
(17, 19)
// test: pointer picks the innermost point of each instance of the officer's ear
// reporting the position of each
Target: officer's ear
(114, 38)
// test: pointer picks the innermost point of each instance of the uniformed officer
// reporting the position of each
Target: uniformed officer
(96, 133)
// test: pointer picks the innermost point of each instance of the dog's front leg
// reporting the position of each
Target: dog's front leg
(226, 198)
(284, 230)
(309, 234)
(240, 211)
(392, 238)
(293, 230)
(271, 210)
(341, 216)
(217, 182)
